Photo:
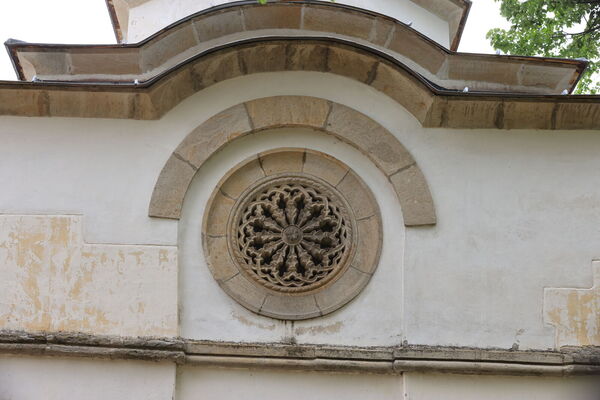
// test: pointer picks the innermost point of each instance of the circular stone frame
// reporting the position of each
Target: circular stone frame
(360, 209)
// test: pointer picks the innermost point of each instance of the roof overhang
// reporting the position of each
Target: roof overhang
(219, 26)
(432, 106)
(454, 12)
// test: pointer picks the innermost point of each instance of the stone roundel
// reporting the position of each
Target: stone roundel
(292, 234)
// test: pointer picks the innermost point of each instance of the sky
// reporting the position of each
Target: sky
(87, 21)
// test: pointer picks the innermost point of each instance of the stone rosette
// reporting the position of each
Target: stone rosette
(292, 234)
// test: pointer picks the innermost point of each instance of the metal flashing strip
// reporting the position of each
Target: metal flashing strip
(377, 360)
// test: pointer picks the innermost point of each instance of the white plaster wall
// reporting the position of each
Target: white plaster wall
(194, 383)
(518, 210)
(151, 16)
(32, 378)
(475, 387)
(379, 305)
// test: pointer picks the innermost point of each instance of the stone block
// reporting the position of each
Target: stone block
(125, 61)
(325, 167)
(545, 77)
(280, 111)
(290, 307)
(169, 92)
(30, 103)
(170, 189)
(219, 24)
(527, 115)
(98, 104)
(215, 220)
(409, 44)
(369, 245)
(275, 16)
(342, 22)
(351, 64)
(265, 57)
(404, 89)
(239, 181)
(216, 68)
(353, 190)
(211, 135)
(282, 161)
(307, 57)
(381, 31)
(166, 46)
(342, 291)
(46, 63)
(578, 116)
(369, 137)
(415, 199)
(254, 297)
(218, 258)
(477, 68)
(473, 113)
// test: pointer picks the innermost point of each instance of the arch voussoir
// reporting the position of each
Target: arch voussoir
(345, 123)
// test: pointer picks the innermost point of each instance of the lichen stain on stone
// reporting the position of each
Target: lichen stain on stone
(248, 322)
(321, 329)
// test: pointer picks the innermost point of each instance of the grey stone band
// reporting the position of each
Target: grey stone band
(379, 360)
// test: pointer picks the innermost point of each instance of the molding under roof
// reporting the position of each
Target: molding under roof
(233, 22)
(454, 12)
(432, 106)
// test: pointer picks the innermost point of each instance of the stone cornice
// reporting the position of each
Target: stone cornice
(455, 12)
(218, 26)
(431, 106)
(380, 360)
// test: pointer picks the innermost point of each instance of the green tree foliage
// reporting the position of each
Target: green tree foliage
(553, 28)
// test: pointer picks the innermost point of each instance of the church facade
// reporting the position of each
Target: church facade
(300, 199)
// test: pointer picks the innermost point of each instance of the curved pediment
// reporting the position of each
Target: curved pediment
(228, 24)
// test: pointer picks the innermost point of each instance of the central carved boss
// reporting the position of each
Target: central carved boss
(291, 233)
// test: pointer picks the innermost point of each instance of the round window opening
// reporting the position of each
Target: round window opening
(292, 234)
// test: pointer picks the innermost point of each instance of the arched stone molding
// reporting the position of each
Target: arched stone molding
(346, 124)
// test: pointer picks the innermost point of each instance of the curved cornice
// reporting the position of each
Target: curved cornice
(346, 124)
(233, 22)
(432, 106)
(454, 12)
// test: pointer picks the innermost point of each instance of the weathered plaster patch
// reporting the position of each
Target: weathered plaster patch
(321, 329)
(50, 280)
(575, 313)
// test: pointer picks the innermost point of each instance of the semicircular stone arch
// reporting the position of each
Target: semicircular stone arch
(345, 123)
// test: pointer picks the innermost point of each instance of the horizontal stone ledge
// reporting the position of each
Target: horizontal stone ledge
(111, 353)
(378, 360)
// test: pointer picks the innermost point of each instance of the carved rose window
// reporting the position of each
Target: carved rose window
(292, 234)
